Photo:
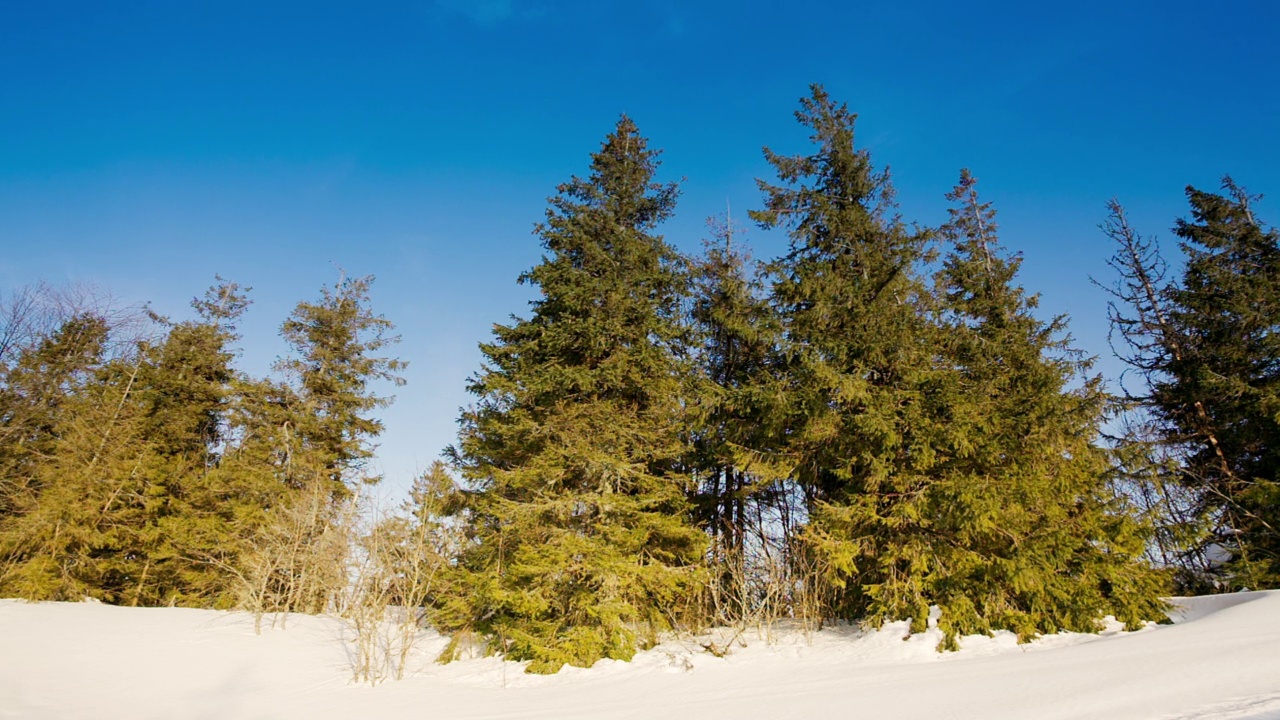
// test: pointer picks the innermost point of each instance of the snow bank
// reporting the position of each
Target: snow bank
(1221, 659)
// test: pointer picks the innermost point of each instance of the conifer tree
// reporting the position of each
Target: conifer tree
(303, 447)
(125, 511)
(1221, 395)
(863, 424)
(1023, 527)
(947, 462)
(736, 335)
(193, 528)
(32, 391)
(1149, 450)
(335, 343)
(64, 544)
(581, 540)
(1206, 350)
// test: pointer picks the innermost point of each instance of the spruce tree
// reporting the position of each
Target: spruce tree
(33, 389)
(862, 424)
(124, 512)
(1205, 348)
(1024, 530)
(731, 426)
(581, 541)
(335, 342)
(947, 460)
(194, 516)
(303, 444)
(1149, 449)
(1221, 395)
(72, 537)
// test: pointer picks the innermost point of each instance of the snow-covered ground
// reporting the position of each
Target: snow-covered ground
(1221, 659)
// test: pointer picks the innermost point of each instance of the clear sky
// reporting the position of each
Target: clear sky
(146, 146)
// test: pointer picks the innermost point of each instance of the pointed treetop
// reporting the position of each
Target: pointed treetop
(621, 181)
(223, 302)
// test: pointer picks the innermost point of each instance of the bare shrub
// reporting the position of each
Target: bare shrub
(375, 570)
(767, 578)
(298, 558)
(397, 565)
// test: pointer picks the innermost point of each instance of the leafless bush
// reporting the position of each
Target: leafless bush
(298, 558)
(373, 569)
(398, 563)
(31, 313)
(769, 578)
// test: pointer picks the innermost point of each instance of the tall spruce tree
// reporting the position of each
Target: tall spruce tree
(946, 459)
(1206, 349)
(863, 422)
(1221, 395)
(582, 544)
(1024, 529)
(335, 342)
(731, 423)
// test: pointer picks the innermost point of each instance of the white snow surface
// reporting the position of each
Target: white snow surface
(1220, 659)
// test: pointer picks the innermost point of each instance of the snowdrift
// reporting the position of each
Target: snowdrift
(1220, 659)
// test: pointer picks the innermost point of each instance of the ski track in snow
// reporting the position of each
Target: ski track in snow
(1220, 659)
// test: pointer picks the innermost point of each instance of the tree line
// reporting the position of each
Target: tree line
(874, 424)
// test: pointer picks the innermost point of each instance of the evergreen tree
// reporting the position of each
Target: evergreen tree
(582, 544)
(193, 528)
(32, 392)
(67, 542)
(125, 510)
(1221, 394)
(737, 335)
(303, 445)
(1149, 449)
(335, 342)
(1023, 528)
(157, 477)
(863, 419)
(946, 459)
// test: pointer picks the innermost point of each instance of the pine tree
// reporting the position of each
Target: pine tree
(1221, 395)
(737, 335)
(1023, 529)
(863, 426)
(335, 341)
(582, 545)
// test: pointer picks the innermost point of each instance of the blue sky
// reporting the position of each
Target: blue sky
(147, 146)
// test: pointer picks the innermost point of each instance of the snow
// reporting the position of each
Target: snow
(1221, 659)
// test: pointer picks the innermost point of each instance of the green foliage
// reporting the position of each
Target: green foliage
(160, 476)
(1207, 352)
(581, 544)
(1221, 394)
(32, 391)
(731, 403)
(947, 460)
(862, 401)
(1034, 538)
(335, 341)
(938, 442)
(127, 508)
